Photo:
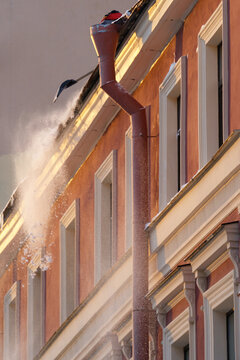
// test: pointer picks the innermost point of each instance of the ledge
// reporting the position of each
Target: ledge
(207, 199)
(99, 313)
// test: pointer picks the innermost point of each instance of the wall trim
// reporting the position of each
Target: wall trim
(13, 294)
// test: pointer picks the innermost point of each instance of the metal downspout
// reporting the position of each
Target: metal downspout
(105, 39)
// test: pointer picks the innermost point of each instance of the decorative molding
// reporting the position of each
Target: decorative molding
(116, 350)
(178, 326)
(234, 256)
(182, 285)
(216, 252)
(11, 294)
(164, 294)
(201, 280)
(127, 348)
(220, 291)
(69, 215)
(213, 24)
(106, 167)
(233, 251)
(222, 246)
(171, 79)
(161, 316)
(35, 262)
(189, 291)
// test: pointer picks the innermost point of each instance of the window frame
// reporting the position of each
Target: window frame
(210, 36)
(215, 297)
(33, 267)
(108, 168)
(12, 295)
(174, 84)
(173, 332)
(72, 214)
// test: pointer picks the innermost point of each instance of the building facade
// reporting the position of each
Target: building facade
(73, 277)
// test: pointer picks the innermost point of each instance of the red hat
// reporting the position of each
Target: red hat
(112, 15)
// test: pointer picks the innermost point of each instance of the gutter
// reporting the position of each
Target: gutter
(105, 39)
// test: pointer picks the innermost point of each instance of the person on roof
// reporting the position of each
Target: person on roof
(111, 17)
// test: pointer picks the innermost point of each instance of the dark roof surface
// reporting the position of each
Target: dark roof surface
(138, 10)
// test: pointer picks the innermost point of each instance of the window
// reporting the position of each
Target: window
(70, 242)
(220, 95)
(230, 335)
(172, 143)
(221, 325)
(128, 189)
(220, 320)
(186, 352)
(176, 338)
(213, 116)
(36, 306)
(105, 216)
(178, 143)
(11, 323)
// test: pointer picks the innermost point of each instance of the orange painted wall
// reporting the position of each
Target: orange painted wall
(220, 272)
(176, 310)
(82, 185)
(185, 44)
(234, 11)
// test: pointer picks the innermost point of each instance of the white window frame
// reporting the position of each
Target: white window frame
(107, 169)
(224, 245)
(173, 334)
(128, 189)
(173, 85)
(183, 327)
(12, 295)
(33, 267)
(209, 37)
(215, 296)
(72, 214)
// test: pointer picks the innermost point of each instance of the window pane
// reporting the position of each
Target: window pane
(230, 335)
(186, 352)
(70, 268)
(220, 95)
(178, 142)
